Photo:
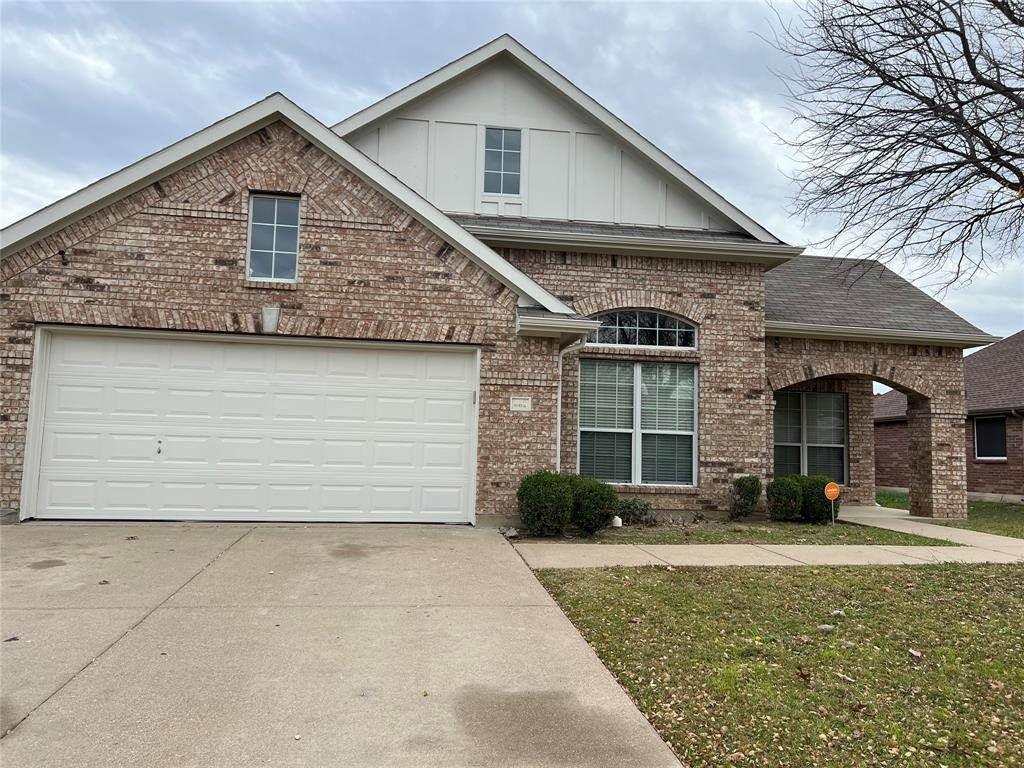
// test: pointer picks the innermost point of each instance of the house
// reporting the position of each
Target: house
(395, 319)
(994, 434)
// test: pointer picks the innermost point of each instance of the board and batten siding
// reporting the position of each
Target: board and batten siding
(571, 168)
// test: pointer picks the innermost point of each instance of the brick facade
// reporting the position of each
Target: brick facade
(983, 476)
(172, 256)
(932, 377)
(726, 301)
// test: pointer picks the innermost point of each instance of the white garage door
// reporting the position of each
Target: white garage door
(186, 427)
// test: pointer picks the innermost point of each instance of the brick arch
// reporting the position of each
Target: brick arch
(885, 371)
(638, 298)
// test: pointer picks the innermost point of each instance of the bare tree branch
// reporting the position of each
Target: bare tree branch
(911, 127)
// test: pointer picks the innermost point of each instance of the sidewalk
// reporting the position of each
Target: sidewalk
(978, 548)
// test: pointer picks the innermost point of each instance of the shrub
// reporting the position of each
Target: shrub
(746, 493)
(814, 507)
(784, 498)
(636, 512)
(593, 504)
(545, 502)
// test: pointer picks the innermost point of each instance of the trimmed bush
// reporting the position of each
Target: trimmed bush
(593, 504)
(746, 492)
(634, 511)
(545, 501)
(814, 507)
(784, 498)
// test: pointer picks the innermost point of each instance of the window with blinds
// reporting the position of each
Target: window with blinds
(638, 422)
(810, 434)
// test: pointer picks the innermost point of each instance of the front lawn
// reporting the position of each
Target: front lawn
(760, 532)
(997, 517)
(739, 667)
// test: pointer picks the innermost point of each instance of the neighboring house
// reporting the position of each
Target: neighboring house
(484, 274)
(994, 438)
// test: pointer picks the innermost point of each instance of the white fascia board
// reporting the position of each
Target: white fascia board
(508, 44)
(553, 326)
(275, 107)
(858, 333)
(628, 245)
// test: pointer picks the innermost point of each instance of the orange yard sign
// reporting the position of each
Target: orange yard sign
(832, 491)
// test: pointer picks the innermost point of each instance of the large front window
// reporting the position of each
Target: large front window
(638, 422)
(810, 434)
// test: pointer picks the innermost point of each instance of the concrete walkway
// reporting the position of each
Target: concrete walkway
(352, 646)
(978, 548)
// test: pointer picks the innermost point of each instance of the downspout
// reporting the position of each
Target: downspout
(571, 347)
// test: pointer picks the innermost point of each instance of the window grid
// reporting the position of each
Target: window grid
(658, 442)
(836, 409)
(643, 328)
(276, 218)
(502, 161)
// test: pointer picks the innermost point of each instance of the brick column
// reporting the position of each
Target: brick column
(860, 485)
(938, 468)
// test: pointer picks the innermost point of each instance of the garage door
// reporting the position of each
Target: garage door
(186, 427)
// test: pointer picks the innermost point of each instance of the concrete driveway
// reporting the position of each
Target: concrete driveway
(225, 645)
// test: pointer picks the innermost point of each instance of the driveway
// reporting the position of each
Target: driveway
(228, 645)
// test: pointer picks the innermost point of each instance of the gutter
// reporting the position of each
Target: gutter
(556, 325)
(860, 333)
(592, 242)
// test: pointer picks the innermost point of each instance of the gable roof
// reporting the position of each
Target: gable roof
(993, 377)
(859, 298)
(224, 132)
(506, 45)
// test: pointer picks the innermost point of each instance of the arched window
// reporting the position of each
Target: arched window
(643, 328)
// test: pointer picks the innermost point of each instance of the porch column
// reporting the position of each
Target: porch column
(938, 467)
(860, 485)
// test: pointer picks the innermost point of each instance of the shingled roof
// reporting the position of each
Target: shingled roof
(858, 294)
(994, 378)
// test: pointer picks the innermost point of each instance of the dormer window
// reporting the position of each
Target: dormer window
(502, 161)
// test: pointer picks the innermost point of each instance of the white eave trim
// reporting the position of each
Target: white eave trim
(275, 107)
(859, 333)
(527, 325)
(629, 245)
(509, 45)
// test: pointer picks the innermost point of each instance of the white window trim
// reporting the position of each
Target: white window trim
(248, 237)
(522, 165)
(976, 419)
(598, 345)
(803, 445)
(637, 432)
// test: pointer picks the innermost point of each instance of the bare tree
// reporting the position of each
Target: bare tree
(911, 127)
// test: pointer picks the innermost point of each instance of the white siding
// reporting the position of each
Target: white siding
(571, 168)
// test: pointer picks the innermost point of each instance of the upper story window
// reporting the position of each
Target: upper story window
(643, 328)
(503, 150)
(990, 438)
(273, 238)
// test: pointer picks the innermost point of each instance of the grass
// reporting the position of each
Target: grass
(760, 532)
(925, 669)
(997, 517)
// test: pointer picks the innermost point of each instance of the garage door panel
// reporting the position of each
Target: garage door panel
(155, 428)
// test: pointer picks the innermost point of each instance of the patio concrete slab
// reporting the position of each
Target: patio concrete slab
(716, 554)
(374, 645)
(543, 554)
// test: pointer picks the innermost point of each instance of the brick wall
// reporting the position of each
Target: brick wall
(172, 255)
(891, 463)
(933, 379)
(1006, 477)
(726, 301)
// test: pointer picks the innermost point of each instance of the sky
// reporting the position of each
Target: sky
(87, 88)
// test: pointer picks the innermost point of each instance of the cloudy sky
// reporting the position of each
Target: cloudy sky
(88, 88)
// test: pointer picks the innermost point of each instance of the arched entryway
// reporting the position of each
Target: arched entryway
(824, 389)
